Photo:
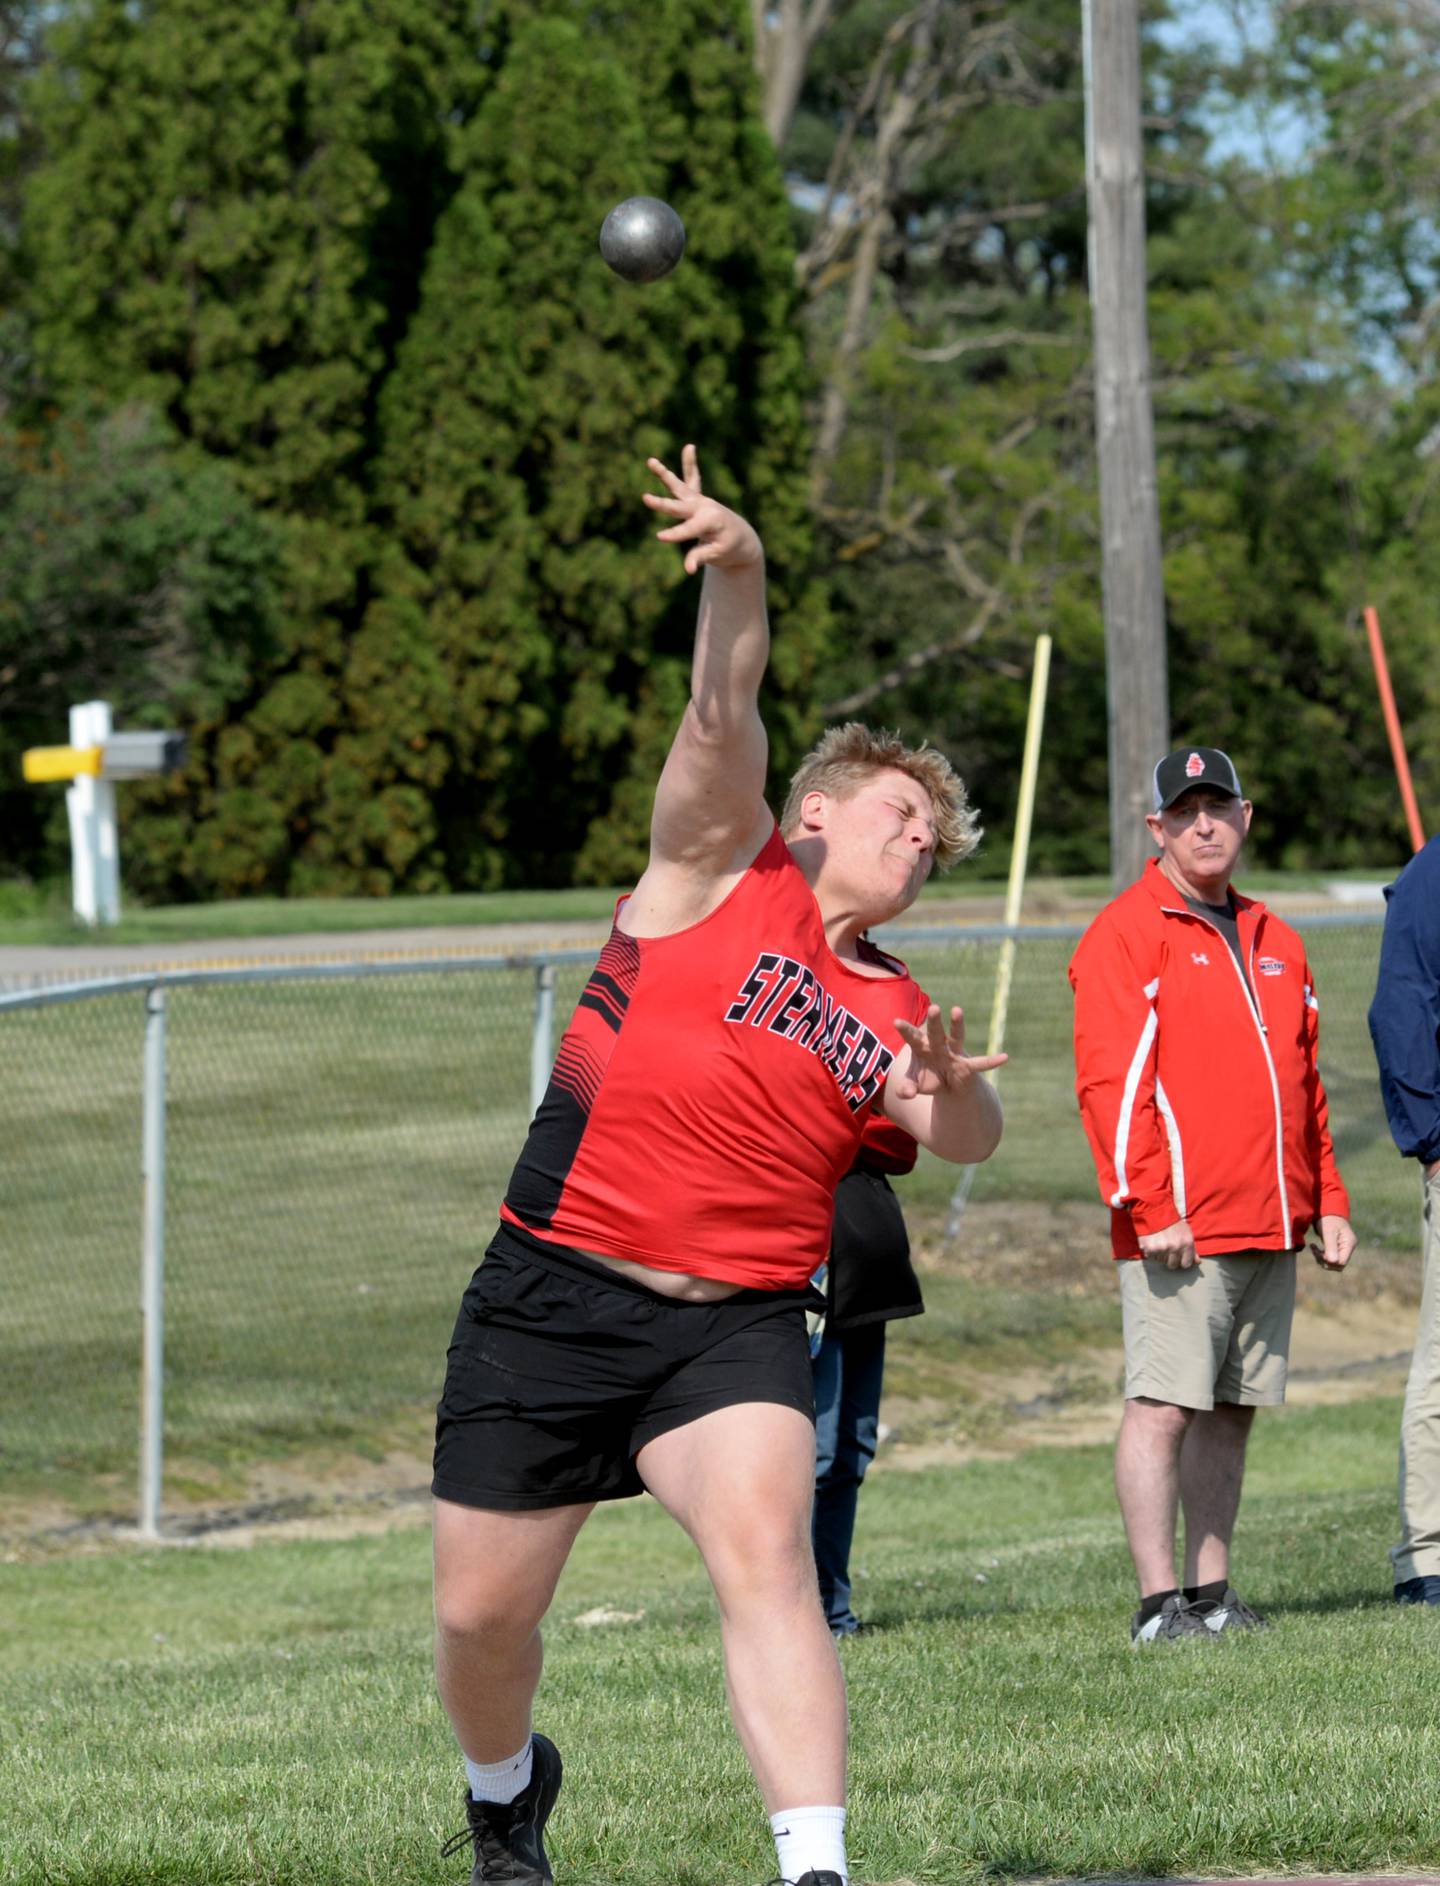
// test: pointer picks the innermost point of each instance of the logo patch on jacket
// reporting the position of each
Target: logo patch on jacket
(1270, 966)
(1199, 956)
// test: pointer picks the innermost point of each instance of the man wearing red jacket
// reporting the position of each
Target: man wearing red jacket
(1196, 1027)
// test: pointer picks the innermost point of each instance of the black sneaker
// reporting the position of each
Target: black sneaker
(1230, 1613)
(810, 1879)
(1175, 1619)
(1423, 1590)
(507, 1836)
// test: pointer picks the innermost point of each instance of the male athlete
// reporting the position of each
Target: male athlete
(639, 1320)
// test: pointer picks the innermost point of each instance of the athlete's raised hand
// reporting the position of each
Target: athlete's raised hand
(938, 1060)
(716, 536)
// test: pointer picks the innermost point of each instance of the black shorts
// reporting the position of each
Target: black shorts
(560, 1370)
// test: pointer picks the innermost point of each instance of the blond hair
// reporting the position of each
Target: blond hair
(845, 757)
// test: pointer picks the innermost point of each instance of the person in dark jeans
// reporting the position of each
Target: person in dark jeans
(869, 1283)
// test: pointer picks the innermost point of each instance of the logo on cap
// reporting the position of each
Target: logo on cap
(1194, 766)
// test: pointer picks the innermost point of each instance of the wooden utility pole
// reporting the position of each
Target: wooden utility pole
(1134, 599)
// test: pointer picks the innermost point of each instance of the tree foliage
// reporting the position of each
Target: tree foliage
(325, 423)
(354, 255)
(131, 570)
(960, 500)
(1333, 201)
(521, 615)
(228, 224)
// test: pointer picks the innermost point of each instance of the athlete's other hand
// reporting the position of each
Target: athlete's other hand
(1174, 1246)
(938, 1059)
(1337, 1243)
(717, 537)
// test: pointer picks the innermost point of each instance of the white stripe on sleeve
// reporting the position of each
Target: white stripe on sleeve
(1177, 1155)
(1127, 1101)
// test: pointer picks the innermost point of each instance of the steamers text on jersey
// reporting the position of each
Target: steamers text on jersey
(788, 999)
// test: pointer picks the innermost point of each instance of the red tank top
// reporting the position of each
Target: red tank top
(711, 1090)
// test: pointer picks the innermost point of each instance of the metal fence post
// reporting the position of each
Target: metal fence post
(542, 1039)
(152, 1268)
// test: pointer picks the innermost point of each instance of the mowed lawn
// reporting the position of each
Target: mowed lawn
(204, 1716)
(212, 1717)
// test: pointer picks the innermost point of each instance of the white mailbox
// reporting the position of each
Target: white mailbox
(141, 755)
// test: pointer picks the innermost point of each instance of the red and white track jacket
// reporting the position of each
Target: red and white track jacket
(1197, 1106)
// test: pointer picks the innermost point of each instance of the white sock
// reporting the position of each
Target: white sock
(500, 1782)
(810, 1840)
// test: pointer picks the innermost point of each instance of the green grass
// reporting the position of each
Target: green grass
(266, 1717)
(336, 1154)
(51, 923)
(335, 1157)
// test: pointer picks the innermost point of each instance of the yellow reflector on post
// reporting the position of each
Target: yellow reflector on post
(43, 765)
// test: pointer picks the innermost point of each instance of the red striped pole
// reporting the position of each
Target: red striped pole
(1392, 727)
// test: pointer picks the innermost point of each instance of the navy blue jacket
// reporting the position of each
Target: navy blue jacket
(1405, 1015)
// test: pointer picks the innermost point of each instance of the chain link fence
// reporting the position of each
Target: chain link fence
(336, 1141)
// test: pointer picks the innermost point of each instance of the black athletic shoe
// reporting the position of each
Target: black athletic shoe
(1423, 1590)
(810, 1879)
(1230, 1613)
(1175, 1619)
(507, 1838)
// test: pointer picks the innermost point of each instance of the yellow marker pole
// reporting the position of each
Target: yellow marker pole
(42, 766)
(1020, 850)
(1014, 893)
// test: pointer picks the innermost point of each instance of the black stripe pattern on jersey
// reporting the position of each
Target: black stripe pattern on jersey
(559, 1125)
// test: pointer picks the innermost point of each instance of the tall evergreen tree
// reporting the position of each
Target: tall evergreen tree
(481, 656)
(21, 50)
(520, 673)
(233, 207)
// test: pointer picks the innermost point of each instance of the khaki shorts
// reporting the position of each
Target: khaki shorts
(1219, 1331)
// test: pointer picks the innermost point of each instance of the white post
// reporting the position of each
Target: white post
(152, 1269)
(94, 840)
(542, 1038)
(80, 805)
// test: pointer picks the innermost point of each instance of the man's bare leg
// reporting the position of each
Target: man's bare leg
(1212, 1471)
(1147, 1481)
(495, 1574)
(740, 1481)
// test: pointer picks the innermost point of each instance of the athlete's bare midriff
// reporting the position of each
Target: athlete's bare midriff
(669, 1283)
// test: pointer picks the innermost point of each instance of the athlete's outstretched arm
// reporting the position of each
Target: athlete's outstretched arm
(710, 817)
(938, 1094)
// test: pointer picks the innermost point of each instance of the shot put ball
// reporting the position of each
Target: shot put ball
(642, 239)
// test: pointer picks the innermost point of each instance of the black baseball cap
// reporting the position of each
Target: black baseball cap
(1194, 766)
